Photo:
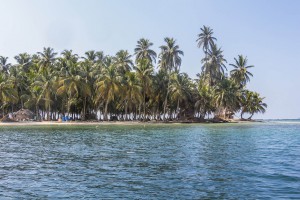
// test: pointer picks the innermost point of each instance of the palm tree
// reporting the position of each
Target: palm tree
(180, 89)
(99, 56)
(74, 86)
(69, 56)
(205, 39)
(214, 67)
(252, 103)
(24, 61)
(170, 55)
(169, 60)
(204, 99)
(47, 83)
(132, 92)
(144, 72)
(67, 60)
(160, 88)
(86, 72)
(240, 73)
(7, 92)
(107, 85)
(47, 59)
(91, 56)
(226, 97)
(4, 65)
(19, 80)
(258, 106)
(123, 61)
(32, 100)
(143, 51)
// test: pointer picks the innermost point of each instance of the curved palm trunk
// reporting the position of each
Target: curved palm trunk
(37, 112)
(224, 113)
(144, 94)
(2, 111)
(84, 109)
(105, 110)
(21, 100)
(69, 107)
(211, 83)
(251, 116)
(165, 107)
(220, 113)
(135, 113)
(140, 111)
(202, 116)
(242, 113)
(153, 114)
(126, 111)
(177, 109)
(100, 114)
(48, 113)
(166, 99)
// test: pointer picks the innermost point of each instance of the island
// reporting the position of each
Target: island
(144, 87)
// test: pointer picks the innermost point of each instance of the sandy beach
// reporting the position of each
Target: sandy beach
(47, 123)
(86, 123)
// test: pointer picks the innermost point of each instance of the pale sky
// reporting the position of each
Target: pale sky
(267, 32)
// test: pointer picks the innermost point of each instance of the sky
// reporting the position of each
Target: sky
(267, 32)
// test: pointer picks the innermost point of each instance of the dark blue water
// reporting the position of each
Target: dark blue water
(254, 161)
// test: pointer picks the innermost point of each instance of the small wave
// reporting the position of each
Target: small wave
(284, 121)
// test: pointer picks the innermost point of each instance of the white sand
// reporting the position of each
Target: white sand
(56, 123)
(47, 123)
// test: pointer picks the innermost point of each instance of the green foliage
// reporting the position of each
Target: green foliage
(127, 87)
(240, 74)
(252, 103)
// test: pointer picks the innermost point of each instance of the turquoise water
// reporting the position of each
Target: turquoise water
(222, 161)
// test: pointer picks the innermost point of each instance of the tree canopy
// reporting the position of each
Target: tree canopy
(96, 86)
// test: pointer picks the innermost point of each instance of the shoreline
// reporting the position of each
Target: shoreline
(86, 123)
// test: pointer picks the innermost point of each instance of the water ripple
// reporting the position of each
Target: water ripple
(253, 161)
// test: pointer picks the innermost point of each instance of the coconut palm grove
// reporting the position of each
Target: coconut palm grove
(145, 86)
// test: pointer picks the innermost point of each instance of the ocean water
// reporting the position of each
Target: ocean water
(210, 161)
